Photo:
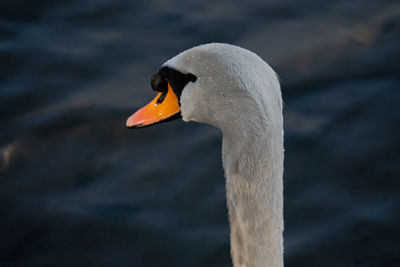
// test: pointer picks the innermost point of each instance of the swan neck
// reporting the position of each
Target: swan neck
(253, 169)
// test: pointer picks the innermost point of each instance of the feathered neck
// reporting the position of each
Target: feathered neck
(237, 92)
(253, 163)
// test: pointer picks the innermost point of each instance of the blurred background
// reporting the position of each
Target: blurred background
(79, 189)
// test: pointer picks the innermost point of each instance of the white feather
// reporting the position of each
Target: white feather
(237, 92)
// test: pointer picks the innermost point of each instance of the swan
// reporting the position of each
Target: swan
(234, 90)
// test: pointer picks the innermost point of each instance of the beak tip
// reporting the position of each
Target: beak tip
(131, 123)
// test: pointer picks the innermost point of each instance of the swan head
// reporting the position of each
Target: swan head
(216, 84)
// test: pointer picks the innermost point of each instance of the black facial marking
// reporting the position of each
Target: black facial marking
(177, 80)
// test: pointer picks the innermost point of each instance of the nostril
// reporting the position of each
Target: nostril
(161, 98)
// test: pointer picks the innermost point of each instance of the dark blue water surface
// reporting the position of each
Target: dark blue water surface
(79, 189)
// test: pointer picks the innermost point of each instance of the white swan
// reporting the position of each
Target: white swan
(236, 91)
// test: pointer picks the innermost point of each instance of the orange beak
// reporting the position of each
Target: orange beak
(164, 106)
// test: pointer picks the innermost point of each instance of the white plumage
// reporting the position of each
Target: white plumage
(237, 92)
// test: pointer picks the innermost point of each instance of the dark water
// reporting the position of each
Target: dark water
(79, 189)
